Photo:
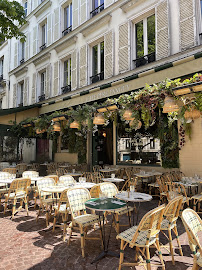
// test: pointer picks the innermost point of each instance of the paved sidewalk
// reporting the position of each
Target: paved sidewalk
(26, 244)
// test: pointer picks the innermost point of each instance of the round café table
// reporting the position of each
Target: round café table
(134, 197)
(101, 205)
(113, 180)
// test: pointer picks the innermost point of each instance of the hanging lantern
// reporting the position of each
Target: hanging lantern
(170, 105)
(192, 114)
(99, 119)
(139, 123)
(39, 131)
(74, 124)
(128, 115)
(56, 126)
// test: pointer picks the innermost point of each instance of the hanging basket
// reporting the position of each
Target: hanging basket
(193, 114)
(137, 124)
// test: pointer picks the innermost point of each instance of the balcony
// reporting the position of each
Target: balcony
(67, 31)
(1, 77)
(96, 10)
(97, 77)
(65, 89)
(43, 47)
(20, 104)
(41, 98)
(22, 61)
(145, 60)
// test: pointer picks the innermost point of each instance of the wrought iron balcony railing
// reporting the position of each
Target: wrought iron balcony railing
(145, 60)
(43, 47)
(67, 30)
(22, 61)
(1, 77)
(96, 10)
(41, 98)
(20, 104)
(65, 89)
(97, 77)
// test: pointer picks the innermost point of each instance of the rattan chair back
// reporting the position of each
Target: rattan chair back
(10, 170)
(96, 168)
(95, 191)
(77, 198)
(30, 174)
(54, 176)
(66, 180)
(172, 209)
(88, 176)
(44, 182)
(151, 224)
(108, 189)
(19, 185)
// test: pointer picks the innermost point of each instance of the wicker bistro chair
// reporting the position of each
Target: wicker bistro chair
(46, 199)
(110, 190)
(169, 224)
(20, 168)
(96, 168)
(60, 171)
(88, 176)
(30, 174)
(97, 177)
(17, 190)
(66, 180)
(129, 183)
(62, 208)
(95, 191)
(53, 176)
(197, 201)
(4, 187)
(142, 237)
(193, 225)
(77, 198)
(12, 171)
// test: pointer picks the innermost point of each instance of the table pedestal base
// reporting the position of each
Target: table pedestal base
(104, 254)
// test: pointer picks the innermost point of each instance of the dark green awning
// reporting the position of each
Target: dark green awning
(18, 109)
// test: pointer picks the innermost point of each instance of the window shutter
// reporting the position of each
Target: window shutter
(27, 47)
(74, 70)
(48, 81)
(33, 88)
(29, 7)
(83, 11)
(75, 14)
(56, 79)
(108, 54)
(83, 66)
(14, 95)
(35, 49)
(56, 24)
(187, 24)
(16, 55)
(162, 30)
(34, 4)
(49, 29)
(108, 3)
(26, 91)
(124, 47)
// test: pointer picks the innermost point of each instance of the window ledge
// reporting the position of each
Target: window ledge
(42, 59)
(21, 71)
(95, 26)
(3, 44)
(42, 7)
(129, 5)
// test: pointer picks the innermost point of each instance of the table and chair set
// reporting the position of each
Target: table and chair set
(101, 204)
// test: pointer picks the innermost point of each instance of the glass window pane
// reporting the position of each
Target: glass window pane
(65, 73)
(101, 2)
(70, 70)
(70, 15)
(151, 33)
(43, 34)
(95, 60)
(42, 83)
(201, 8)
(139, 40)
(102, 56)
(23, 50)
(96, 4)
(21, 93)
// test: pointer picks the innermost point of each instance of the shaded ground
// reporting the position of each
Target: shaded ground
(26, 244)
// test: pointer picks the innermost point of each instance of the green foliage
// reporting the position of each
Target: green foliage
(12, 17)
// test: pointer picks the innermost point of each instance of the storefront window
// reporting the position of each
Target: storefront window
(138, 147)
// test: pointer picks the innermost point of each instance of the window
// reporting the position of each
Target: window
(200, 24)
(25, 8)
(42, 84)
(67, 19)
(20, 94)
(67, 77)
(98, 62)
(1, 68)
(98, 6)
(43, 37)
(144, 41)
(22, 52)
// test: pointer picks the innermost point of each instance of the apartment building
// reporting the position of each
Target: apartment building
(86, 50)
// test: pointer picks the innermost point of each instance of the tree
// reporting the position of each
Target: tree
(12, 17)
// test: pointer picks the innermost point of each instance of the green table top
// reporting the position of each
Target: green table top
(105, 204)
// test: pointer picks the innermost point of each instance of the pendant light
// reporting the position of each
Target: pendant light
(56, 126)
(74, 124)
(170, 105)
(99, 119)
(128, 115)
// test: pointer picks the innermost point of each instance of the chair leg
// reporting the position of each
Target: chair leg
(116, 222)
(121, 254)
(5, 205)
(195, 265)
(14, 207)
(54, 220)
(160, 254)
(47, 216)
(65, 227)
(178, 241)
(70, 234)
(194, 205)
(171, 246)
(148, 259)
(82, 241)
(26, 205)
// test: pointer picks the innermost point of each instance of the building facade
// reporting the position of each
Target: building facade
(86, 50)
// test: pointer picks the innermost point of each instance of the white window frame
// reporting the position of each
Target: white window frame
(69, 72)
(21, 51)
(25, 7)
(200, 21)
(98, 60)
(44, 26)
(145, 37)
(1, 66)
(64, 16)
(20, 93)
(44, 84)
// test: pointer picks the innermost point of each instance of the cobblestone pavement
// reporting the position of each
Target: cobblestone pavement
(26, 244)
